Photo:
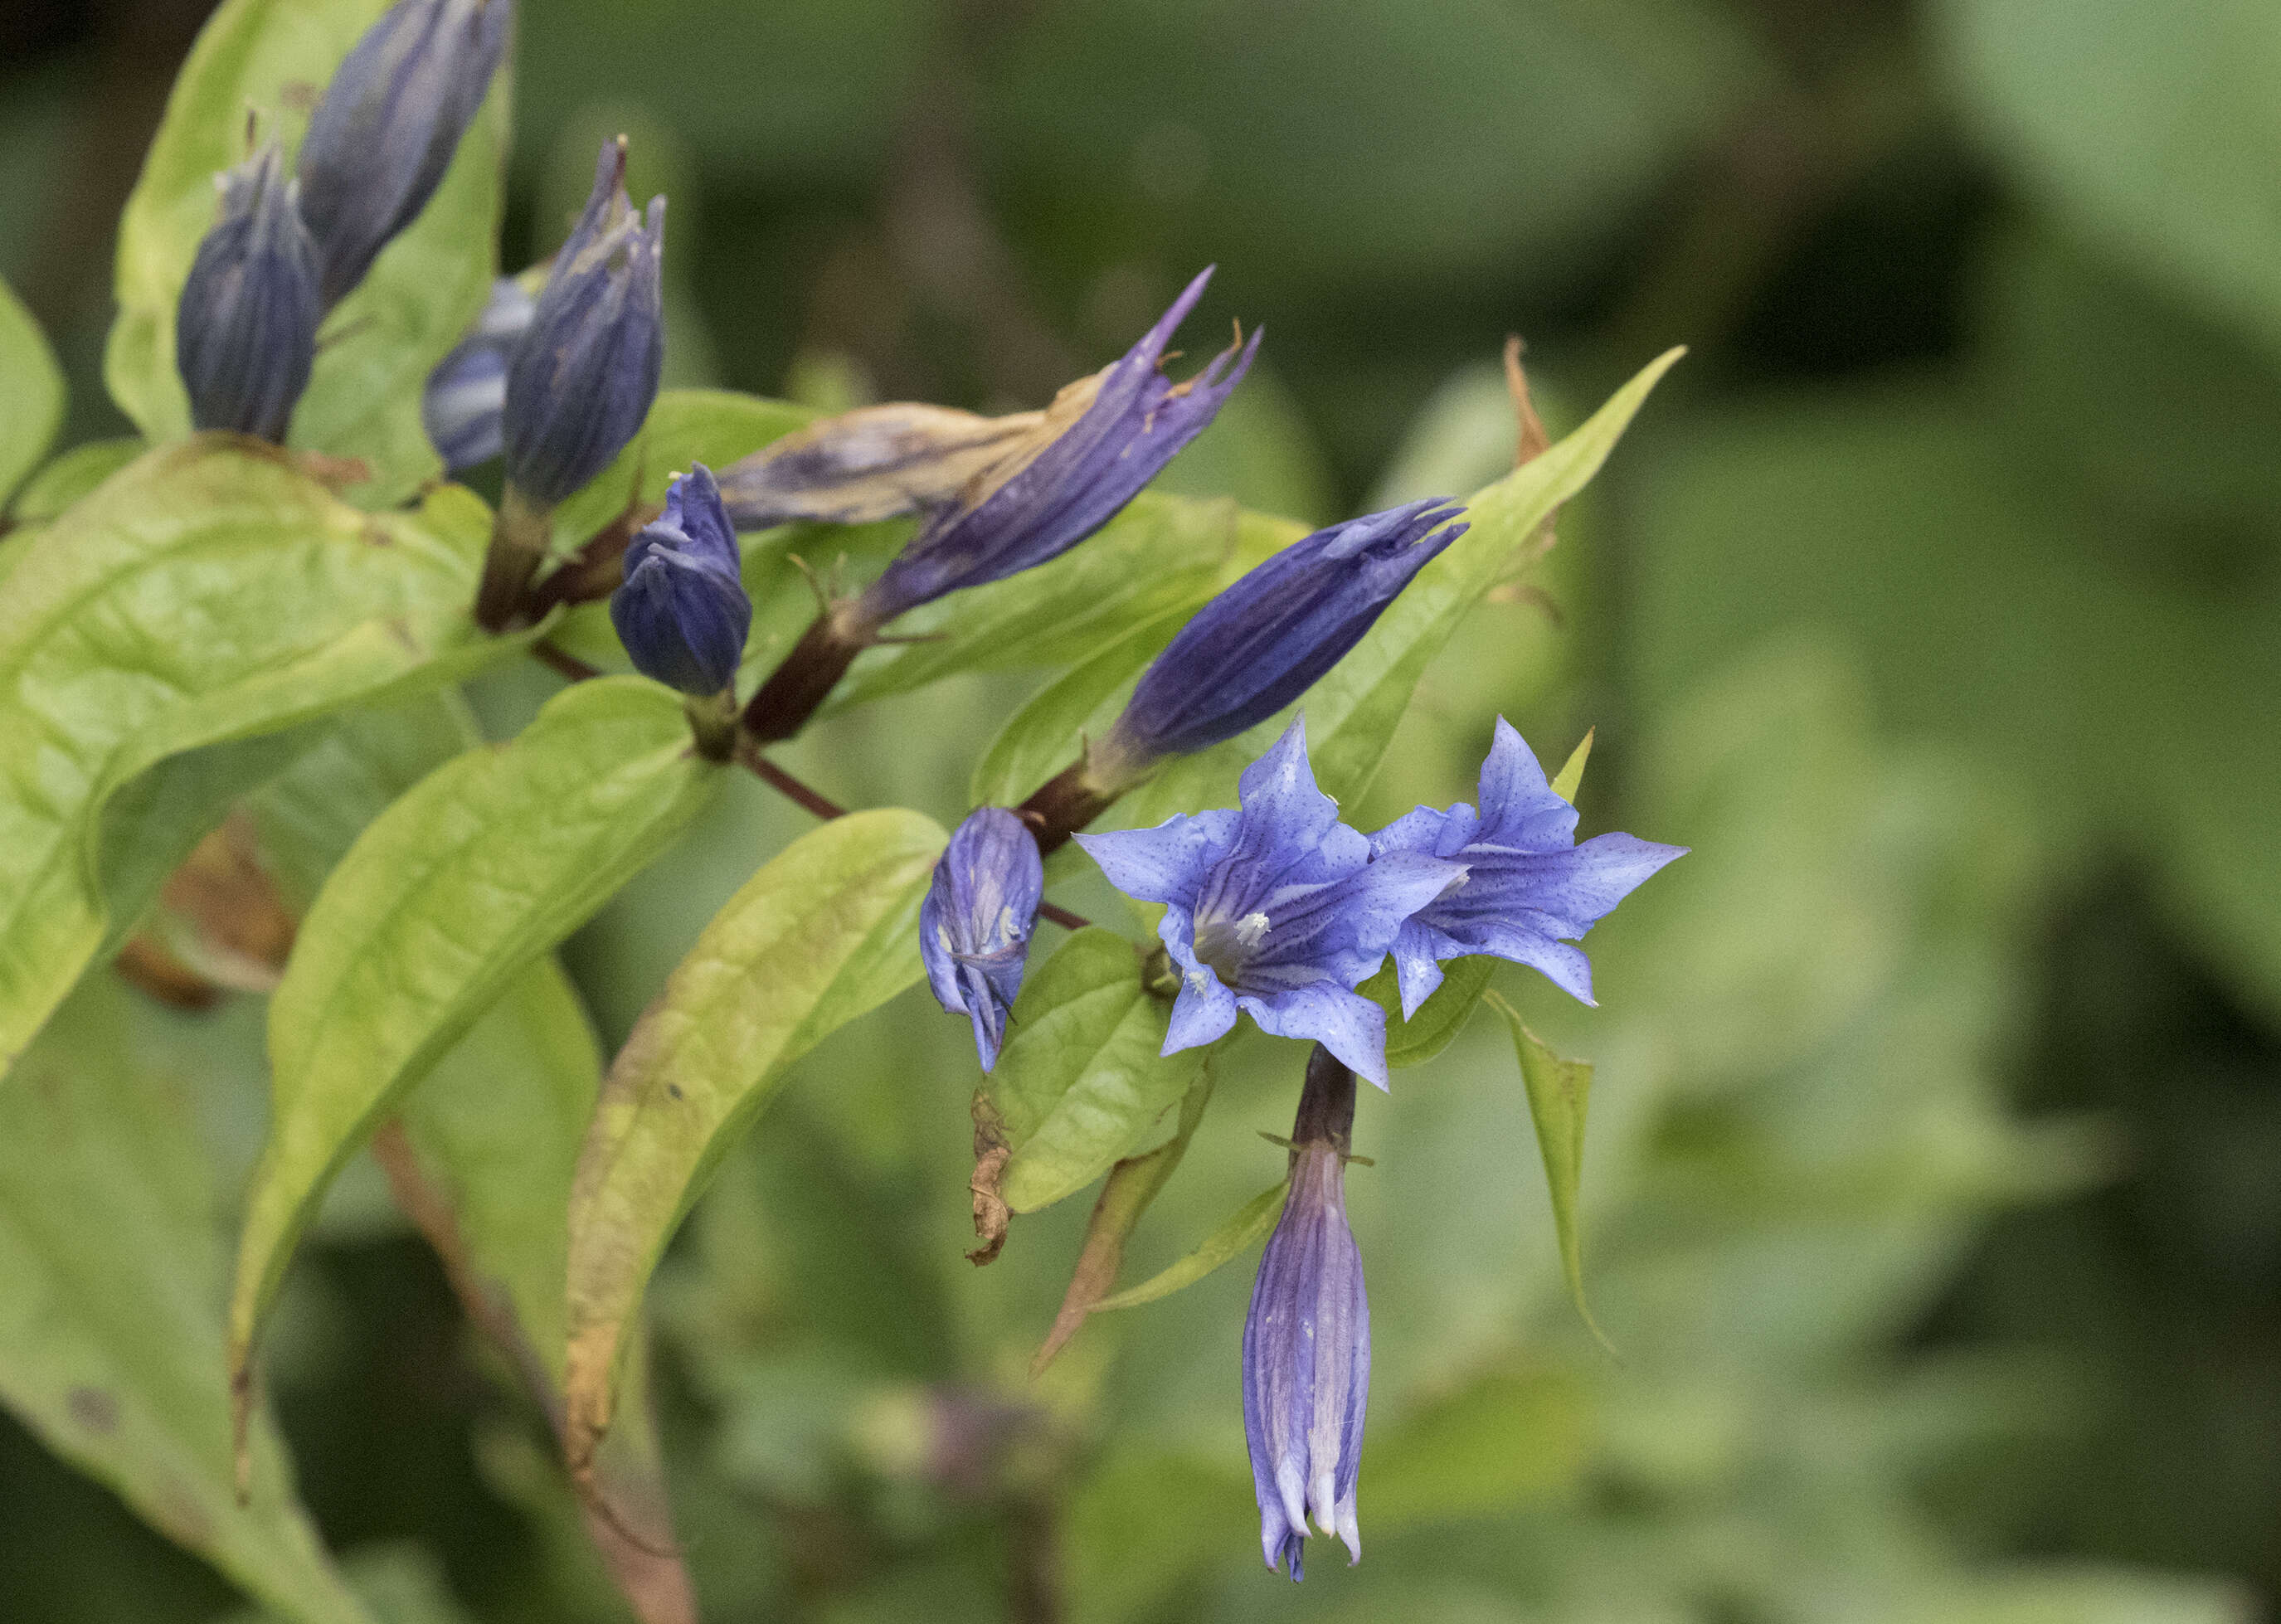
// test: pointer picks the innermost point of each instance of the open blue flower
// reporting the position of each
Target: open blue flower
(1529, 890)
(975, 924)
(1276, 909)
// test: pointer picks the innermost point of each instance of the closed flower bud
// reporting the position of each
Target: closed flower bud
(872, 463)
(384, 132)
(1265, 641)
(466, 393)
(1306, 1341)
(1102, 439)
(246, 332)
(583, 378)
(682, 612)
(975, 924)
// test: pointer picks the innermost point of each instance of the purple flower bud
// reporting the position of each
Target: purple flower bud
(383, 136)
(1528, 889)
(583, 378)
(974, 926)
(1276, 909)
(246, 332)
(466, 393)
(1103, 439)
(1263, 642)
(1306, 1341)
(682, 611)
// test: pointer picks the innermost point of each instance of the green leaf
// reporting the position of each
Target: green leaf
(712, 426)
(1046, 734)
(1352, 712)
(1571, 777)
(71, 476)
(1161, 553)
(1245, 1228)
(829, 929)
(448, 896)
(1559, 1092)
(1439, 1019)
(379, 346)
(208, 592)
(110, 1343)
(1081, 1083)
(31, 392)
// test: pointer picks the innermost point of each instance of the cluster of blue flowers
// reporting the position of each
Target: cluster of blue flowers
(1273, 908)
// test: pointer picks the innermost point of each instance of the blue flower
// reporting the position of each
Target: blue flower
(466, 393)
(1306, 1341)
(1529, 890)
(384, 132)
(245, 331)
(1102, 438)
(682, 611)
(581, 379)
(1276, 909)
(1262, 642)
(975, 924)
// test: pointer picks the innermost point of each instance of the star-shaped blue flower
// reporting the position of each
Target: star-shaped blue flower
(1529, 890)
(1276, 909)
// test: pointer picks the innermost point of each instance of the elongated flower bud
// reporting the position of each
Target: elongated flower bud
(582, 379)
(384, 132)
(975, 924)
(1265, 641)
(1306, 1341)
(466, 395)
(683, 613)
(246, 332)
(1103, 439)
(872, 463)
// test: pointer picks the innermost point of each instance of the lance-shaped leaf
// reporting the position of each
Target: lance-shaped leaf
(1559, 1092)
(31, 393)
(439, 905)
(1352, 712)
(1160, 553)
(1246, 1227)
(826, 931)
(379, 346)
(1081, 1083)
(209, 593)
(111, 1337)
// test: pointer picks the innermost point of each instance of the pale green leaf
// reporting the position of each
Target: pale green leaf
(825, 932)
(1439, 1019)
(1352, 712)
(31, 393)
(451, 895)
(209, 593)
(712, 426)
(111, 1334)
(1244, 1229)
(1160, 553)
(379, 346)
(1571, 777)
(70, 476)
(1559, 1092)
(1080, 1082)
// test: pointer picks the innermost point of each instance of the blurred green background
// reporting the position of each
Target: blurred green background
(1931, 1191)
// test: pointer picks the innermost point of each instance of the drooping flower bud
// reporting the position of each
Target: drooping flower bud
(384, 132)
(975, 924)
(466, 393)
(1265, 641)
(581, 380)
(872, 463)
(683, 613)
(245, 331)
(1102, 439)
(1306, 1341)
(1529, 892)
